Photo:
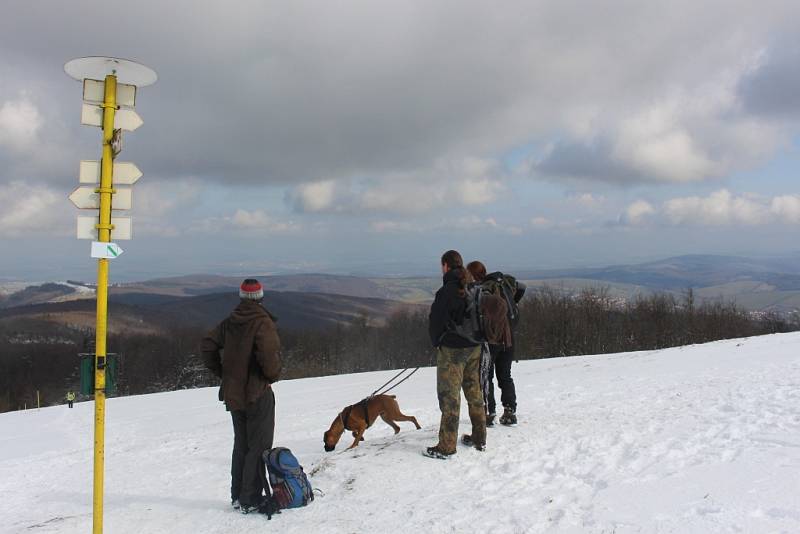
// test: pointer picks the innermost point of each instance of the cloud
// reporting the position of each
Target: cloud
(542, 223)
(655, 144)
(466, 182)
(772, 88)
(34, 145)
(786, 208)
(163, 208)
(247, 221)
(20, 122)
(30, 210)
(689, 134)
(400, 112)
(638, 212)
(315, 196)
(465, 224)
(588, 159)
(371, 91)
(720, 208)
(588, 200)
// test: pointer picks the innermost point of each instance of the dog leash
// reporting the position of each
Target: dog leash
(387, 383)
(385, 391)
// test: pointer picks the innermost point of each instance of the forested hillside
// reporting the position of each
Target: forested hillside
(159, 346)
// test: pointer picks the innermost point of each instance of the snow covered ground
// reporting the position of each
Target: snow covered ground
(695, 439)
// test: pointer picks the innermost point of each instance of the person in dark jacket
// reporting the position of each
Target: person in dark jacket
(501, 355)
(457, 362)
(244, 351)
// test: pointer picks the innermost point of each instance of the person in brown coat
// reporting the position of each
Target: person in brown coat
(244, 351)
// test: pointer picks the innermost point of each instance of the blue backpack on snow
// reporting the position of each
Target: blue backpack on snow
(290, 485)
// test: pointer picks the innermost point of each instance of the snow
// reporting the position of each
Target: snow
(701, 439)
(7, 288)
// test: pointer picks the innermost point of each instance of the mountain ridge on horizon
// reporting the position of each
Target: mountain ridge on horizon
(756, 283)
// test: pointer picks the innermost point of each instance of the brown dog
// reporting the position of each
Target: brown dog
(359, 417)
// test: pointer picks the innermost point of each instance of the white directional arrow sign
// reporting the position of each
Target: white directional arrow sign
(125, 173)
(87, 230)
(86, 198)
(127, 119)
(94, 92)
(106, 250)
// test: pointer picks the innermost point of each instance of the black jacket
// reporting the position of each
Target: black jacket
(448, 308)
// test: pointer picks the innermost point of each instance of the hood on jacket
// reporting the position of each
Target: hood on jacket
(247, 310)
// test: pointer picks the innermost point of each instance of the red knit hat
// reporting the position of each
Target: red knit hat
(251, 289)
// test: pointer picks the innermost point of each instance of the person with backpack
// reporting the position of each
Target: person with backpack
(248, 367)
(457, 361)
(502, 354)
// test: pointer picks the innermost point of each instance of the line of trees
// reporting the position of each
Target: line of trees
(554, 323)
(37, 355)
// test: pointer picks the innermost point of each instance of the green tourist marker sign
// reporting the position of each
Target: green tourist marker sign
(106, 250)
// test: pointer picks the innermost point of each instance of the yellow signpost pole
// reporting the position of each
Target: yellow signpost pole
(104, 228)
(102, 77)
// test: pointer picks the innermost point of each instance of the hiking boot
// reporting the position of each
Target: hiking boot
(248, 508)
(490, 419)
(436, 452)
(509, 417)
(251, 508)
(466, 439)
(235, 504)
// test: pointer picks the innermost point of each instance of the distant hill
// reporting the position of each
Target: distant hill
(142, 312)
(687, 271)
(771, 284)
(754, 284)
(47, 292)
(203, 284)
(294, 310)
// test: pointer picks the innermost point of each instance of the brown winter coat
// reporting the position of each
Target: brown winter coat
(250, 359)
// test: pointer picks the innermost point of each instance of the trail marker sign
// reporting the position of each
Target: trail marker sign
(87, 198)
(106, 250)
(127, 119)
(87, 230)
(125, 172)
(94, 91)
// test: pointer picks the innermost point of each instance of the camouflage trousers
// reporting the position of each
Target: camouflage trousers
(457, 369)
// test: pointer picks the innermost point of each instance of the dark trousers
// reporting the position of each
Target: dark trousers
(501, 362)
(253, 430)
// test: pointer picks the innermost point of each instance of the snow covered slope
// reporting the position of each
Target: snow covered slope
(695, 439)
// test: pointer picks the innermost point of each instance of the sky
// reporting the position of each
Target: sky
(369, 137)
